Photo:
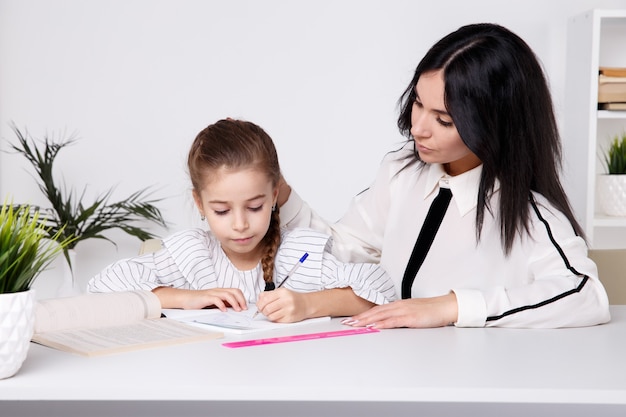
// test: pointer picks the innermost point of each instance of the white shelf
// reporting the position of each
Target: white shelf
(601, 220)
(611, 114)
(594, 39)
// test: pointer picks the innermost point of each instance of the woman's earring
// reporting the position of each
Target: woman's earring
(274, 207)
(202, 217)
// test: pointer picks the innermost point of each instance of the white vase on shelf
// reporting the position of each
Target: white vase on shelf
(612, 194)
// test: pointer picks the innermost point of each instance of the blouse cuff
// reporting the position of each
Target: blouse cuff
(472, 308)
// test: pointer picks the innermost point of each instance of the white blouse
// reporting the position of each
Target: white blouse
(531, 287)
(194, 259)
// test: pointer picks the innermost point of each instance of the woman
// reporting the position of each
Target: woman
(509, 252)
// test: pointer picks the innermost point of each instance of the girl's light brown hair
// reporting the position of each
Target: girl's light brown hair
(238, 144)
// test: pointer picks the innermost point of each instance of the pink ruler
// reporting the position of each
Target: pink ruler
(299, 337)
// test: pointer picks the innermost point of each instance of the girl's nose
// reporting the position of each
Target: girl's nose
(240, 222)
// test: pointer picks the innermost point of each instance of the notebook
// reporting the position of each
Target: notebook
(231, 321)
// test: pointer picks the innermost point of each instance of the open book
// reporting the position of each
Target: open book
(103, 323)
(231, 321)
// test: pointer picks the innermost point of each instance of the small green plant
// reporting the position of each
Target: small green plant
(615, 156)
(70, 217)
(26, 247)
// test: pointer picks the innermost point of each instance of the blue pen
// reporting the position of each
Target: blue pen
(306, 255)
(289, 274)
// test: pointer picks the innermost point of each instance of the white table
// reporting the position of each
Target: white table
(434, 372)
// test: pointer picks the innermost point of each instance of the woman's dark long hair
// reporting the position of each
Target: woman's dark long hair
(499, 100)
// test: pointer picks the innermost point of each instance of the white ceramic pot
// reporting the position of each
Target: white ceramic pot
(17, 321)
(612, 194)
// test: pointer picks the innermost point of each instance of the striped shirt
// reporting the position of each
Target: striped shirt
(194, 259)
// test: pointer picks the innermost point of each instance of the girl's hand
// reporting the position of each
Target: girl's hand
(414, 312)
(283, 305)
(221, 298)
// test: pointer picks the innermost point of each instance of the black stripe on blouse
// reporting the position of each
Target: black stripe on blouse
(567, 265)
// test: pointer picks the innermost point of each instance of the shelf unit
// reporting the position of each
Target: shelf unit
(596, 38)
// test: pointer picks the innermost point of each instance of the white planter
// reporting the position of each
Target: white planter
(612, 194)
(17, 320)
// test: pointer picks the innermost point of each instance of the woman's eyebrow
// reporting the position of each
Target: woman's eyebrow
(441, 112)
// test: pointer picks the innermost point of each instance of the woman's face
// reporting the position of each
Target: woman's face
(432, 128)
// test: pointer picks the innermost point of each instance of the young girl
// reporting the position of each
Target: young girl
(234, 172)
(508, 252)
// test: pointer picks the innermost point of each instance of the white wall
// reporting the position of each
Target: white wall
(137, 79)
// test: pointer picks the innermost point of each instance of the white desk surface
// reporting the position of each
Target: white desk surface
(436, 372)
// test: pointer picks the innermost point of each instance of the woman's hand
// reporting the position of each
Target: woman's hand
(283, 305)
(221, 298)
(414, 312)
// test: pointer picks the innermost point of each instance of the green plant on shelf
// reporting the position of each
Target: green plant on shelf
(615, 155)
(69, 216)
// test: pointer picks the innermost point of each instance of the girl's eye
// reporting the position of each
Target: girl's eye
(255, 209)
(220, 212)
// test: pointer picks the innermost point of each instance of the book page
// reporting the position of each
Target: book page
(95, 310)
(231, 321)
(114, 339)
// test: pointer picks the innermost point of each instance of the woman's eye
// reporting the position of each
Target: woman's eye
(258, 208)
(444, 123)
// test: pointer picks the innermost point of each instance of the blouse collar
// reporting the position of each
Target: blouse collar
(464, 186)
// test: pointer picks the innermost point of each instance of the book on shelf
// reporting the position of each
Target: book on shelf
(611, 89)
(613, 71)
(612, 106)
(612, 85)
(105, 323)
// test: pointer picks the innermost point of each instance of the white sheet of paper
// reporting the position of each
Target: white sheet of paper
(232, 321)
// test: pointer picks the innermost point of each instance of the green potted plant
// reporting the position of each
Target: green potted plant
(26, 249)
(612, 185)
(72, 217)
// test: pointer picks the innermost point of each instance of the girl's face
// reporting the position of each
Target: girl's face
(238, 208)
(432, 128)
